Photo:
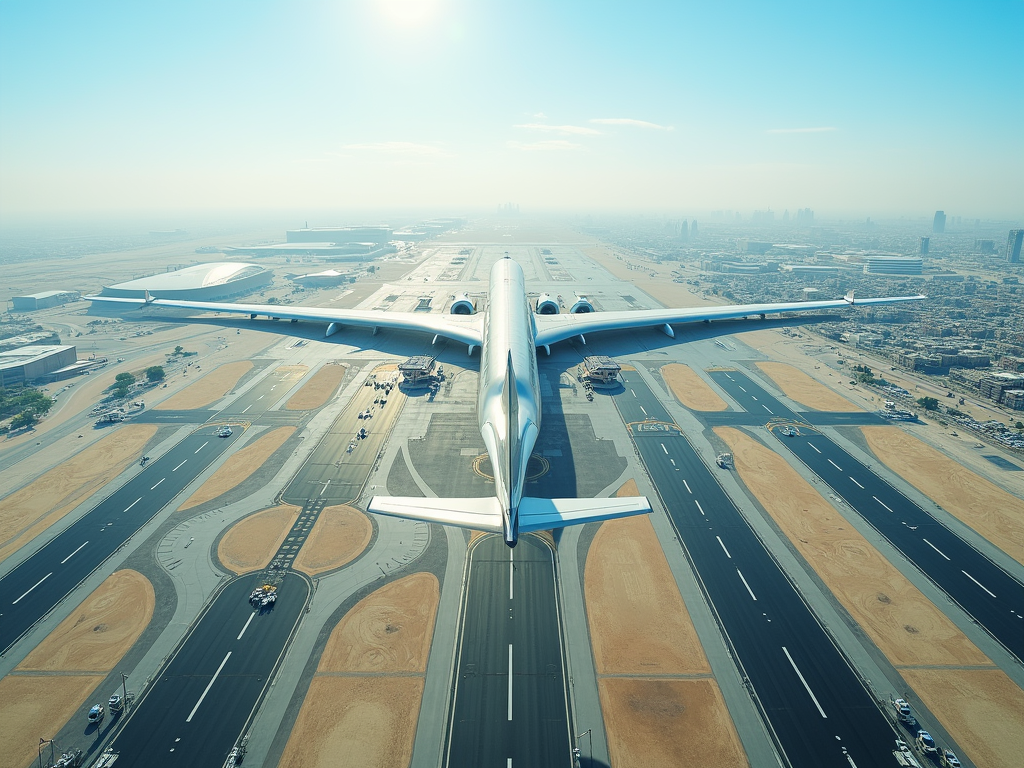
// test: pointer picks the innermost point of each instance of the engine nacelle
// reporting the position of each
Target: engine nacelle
(461, 305)
(581, 306)
(547, 305)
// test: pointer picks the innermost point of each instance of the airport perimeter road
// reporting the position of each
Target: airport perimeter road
(989, 594)
(510, 704)
(196, 711)
(32, 589)
(820, 712)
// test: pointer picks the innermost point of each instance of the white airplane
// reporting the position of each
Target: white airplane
(509, 402)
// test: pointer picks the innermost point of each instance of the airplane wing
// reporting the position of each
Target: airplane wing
(554, 328)
(465, 328)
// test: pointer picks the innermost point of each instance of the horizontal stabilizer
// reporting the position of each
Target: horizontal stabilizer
(545, 514)
(482, 514)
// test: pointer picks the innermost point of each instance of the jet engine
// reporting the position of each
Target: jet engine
(546, 305)
(581, 306)
(461, 305)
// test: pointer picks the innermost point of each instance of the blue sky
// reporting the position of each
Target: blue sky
(850, 108)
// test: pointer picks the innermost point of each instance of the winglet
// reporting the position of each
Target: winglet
(148, 299)
(848, 298)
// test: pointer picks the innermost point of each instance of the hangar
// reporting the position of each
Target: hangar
(201, 282)
(18, 366)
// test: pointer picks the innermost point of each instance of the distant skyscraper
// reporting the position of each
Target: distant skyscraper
(805, 216)
(1013, 245)
(924, 245)
(939, 222)
(684, 231)
(693, 231)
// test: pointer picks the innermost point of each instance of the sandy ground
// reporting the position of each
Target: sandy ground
(985, 507)
(340, 535)
(318, 390)
(239, 467)
(690, 389)
(668, 723)
(798, 386)
(101, 629)
(364, 701)
(982, 709)
(31, 510)
(904, 624)
(250, 543)
(659, 287)
(35, 707)
(210, 388)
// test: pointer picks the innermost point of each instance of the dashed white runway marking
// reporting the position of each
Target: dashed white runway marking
(699, 507)
(723, 547)
(247, 623)
(883, 503)
(936, 548)
(510, 682)
(133, 503)
(687, 487)
(33, 587)
(158, 483)
(179, 466)
(806, 686)
(743, 388)
(634, 395)
(644, 410)
(814, 446)
(208, 687)
(664, 449)
(202, 446)
(768, 409)
(752, 595)
(511, 573)
(835, 465)
(72, 554)
(857, 484)
(247, 408)
(965, 573)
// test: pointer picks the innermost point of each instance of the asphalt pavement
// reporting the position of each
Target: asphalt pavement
(817, 708)
(510, 706)
(991, 596)
(41, 582)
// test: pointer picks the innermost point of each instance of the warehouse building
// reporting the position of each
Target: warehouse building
(202, 282)
(44, 300)
(18, 366)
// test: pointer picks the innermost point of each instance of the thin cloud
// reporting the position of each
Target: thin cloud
(397, 148)
(630, 121)
(540, 116)
(820, 129)
(548, 145)
(567, 130)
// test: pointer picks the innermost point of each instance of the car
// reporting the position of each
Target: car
(96, 714)
(224, 432)
(115, 703)
(926, 743)
(949, 760)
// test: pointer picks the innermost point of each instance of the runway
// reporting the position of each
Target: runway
(985, 591)
(813, 702)
(35, 586)
(510, 706)
(196, 711)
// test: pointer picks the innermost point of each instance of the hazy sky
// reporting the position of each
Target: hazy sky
(873, 108)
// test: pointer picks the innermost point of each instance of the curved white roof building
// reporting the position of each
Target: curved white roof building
(202, 282)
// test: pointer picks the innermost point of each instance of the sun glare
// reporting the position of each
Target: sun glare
(408, 12)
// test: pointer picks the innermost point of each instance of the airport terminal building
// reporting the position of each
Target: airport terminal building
(202, 282)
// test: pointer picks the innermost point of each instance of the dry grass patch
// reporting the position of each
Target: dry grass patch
(362, 722)
(251, 543)
(340, 535)
(28, 512)
(668, 723)
(101, 630)
(33, 706)
(210, 388)
(805, 390)
(659, 287)
(690, 389)
(904, 624)
(982, 709)
(318, 390)
(238, 468)
(984, 506)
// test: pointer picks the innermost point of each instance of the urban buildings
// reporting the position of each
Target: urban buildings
(1013, 245)
(939, 222)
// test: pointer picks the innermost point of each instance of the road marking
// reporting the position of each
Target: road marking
(644, 410)
(208, 687)
(835, 465)
(813, 446)
(965, 573)
(688, 487)
(699, 507)
(768, 409)
(754, 397)
(33, 587)
(260, 398)
(741, 387)
(511, 573)
(72, 554)
(857, 484)
(664, 449)
(202, 446)
(158, 483)
(936, 549)
(247, 408)
(730, 378)
(673, 462)
(723, 547)
(134, 503)
(179, 466)
(802, 680)
(325, 487)
(509, 763)
(883, 503)
(634, 395)
(752, 596)
(247, 623)
(510, 682)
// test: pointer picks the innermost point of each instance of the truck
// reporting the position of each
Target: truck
(903, 713)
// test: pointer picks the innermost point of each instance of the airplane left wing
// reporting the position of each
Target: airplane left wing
(554, 328)
(464, 328)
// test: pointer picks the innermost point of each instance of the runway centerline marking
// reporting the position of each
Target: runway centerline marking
(835, 465)
(723, 547)
(634, 395)
(754, 397)
(260, 398)
(33, 587)
(699, 507)
(72, 554)
(664, 449)
(179, 466)
(741, 386)
(936, 548)
(208, 687)
(644, 410)
(247, 623)
(510, 682)
(965, 573)
(688, 487)
(202, 446)
(158, 483)
(814, 447)
(247, 408)
(133, 503)
(883, 503)
(511, 572)
(806, 686)
(325, 487)
(768, 409)
(752, 595)
(857, 484)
